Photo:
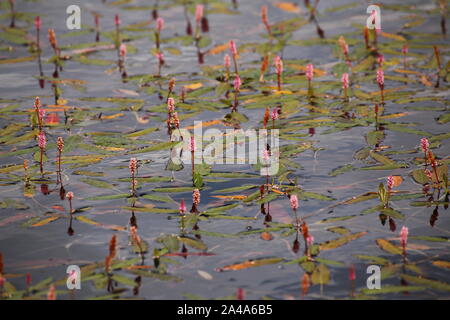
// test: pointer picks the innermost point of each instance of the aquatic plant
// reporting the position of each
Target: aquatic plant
(69, 197)
(60, 146)
(279, 68)
(234, 54)
(265, 20)
(42, 142)
(344, 79)
(195, 201)
(133, 167)
(380, 81)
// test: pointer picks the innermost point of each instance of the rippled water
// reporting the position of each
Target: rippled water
(45, 251)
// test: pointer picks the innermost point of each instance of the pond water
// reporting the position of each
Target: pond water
(334, 151)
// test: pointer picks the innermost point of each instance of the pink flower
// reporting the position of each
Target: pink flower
(171, 105)
(28, 279)
(226, 61)
(380, 59)
(123, 50)
(117, 20)
(182, 207)
(274, 114)
(192, 144)
(264, 14)
(37, 22)
(69, 195)
(405, 49)
(380, 77)
(352, 273)
(51, 294)
(42, 141)
(294, 202)
(344, 80)
(278, 64)
(390, 182)
(132, 165)
(41, 114)
(310, 71)
(97, 20)
(240, 294)
(310, 240)
(237, 83)
(199, 13)
(345, 48)
(233, 48)
(424, 144)
(159, 24)
(160, 57)
(2, 281)
(196, 196)
(404, 236)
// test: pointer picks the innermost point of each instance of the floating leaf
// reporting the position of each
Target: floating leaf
(388, 246)
(250, 264)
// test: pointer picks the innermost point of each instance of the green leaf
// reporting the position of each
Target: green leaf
(97, 183)
(321, 275)
(434, 284)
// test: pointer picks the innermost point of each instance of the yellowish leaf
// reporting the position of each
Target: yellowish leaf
(287, 6)
(193, 86)
(45, 221)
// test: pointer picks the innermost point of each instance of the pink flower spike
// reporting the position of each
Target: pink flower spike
(37, 22)
(240, 294)
(171, 105)
(380, 77)
(310, 240)
(233, 48)
(294, 202)
(117, 20)
(404, 236)
(352, 273)
(196, 196)
(160, 57)
(405, 49)
(133, 165)
(199, 13)
(123, 50)
(274, 114)
(278, 64)
(380, 59)
(192, 144)
(345, 47)
(97, 20)
(310, 71)
(237, 83)
(182, 207)
(69, 195)
(390, 182)
(42, 141)
(227, 61)
(344, 80)
(41, 114)
(159, 24)
(424, 144)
